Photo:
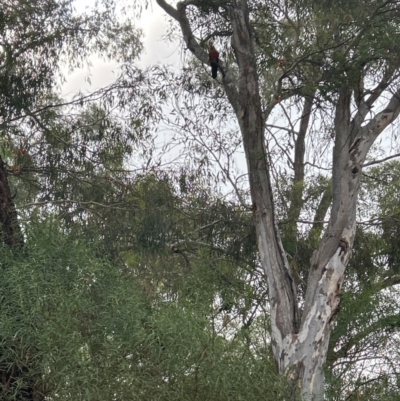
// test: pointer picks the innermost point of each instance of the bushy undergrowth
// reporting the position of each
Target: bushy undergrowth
(74, 326)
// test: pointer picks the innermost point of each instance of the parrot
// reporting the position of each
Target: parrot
(213, 56)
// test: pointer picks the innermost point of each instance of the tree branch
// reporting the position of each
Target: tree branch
(381, 160)
(320, 213)
(74, 202)
(296, 193)
(366, 105)
(171, 11)
(382, 120)
(387, 321)
(179, 14)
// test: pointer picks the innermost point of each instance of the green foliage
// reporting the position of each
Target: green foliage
(78, 327)
(148, 286)
(368, 324)
(38, 36)
(367, 328)
(69, 318)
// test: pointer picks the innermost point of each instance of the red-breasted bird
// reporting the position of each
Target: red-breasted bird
(213, 56)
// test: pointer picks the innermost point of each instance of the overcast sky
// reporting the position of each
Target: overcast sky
(156, 50)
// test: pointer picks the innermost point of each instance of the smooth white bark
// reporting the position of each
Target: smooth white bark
(300, 344)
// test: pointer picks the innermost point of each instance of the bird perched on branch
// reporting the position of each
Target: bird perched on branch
(213, 56)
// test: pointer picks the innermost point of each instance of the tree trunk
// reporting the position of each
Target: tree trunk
(15, 380)
(10, 229)
(299, 344)
(282, 291)
(300, 351)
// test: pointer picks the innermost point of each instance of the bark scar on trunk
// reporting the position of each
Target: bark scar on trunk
(344, 246)
(11, 231)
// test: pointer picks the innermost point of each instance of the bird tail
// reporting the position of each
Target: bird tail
(214, 69)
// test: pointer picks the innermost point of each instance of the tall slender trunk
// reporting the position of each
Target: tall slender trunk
(281, 287)
(15, 380)
(299, 344)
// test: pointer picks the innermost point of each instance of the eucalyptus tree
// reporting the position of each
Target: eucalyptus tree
(341, 60)
(363, 352)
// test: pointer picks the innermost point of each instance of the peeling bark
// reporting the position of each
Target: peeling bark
(282, 290)
(300, 346)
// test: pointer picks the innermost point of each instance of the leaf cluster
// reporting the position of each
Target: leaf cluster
(75, 326)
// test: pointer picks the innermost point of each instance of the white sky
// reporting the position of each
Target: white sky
(154, 23)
